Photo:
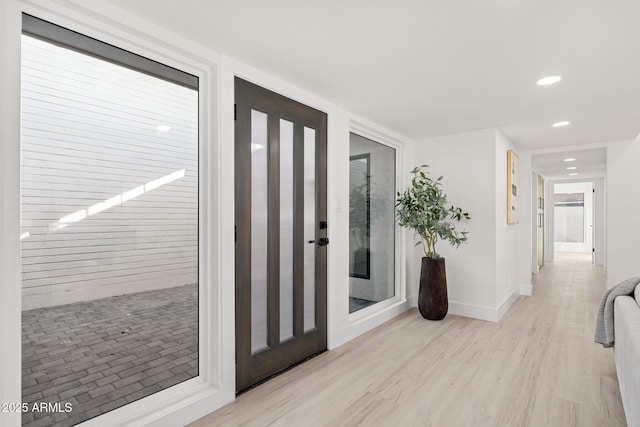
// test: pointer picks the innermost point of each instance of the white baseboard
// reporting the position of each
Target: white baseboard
(412, 301)
(526, 290)
(507, 303)
(365, 324)
(482, 312)
(473, 311)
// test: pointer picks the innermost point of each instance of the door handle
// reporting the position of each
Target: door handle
(324, 241)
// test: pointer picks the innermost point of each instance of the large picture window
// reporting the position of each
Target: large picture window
(109, 226)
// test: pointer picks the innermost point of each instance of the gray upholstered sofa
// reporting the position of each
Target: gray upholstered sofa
(627, 353)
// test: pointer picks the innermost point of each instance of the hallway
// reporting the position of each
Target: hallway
(538, 367)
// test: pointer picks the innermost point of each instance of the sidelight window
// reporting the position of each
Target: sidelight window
(372, 188)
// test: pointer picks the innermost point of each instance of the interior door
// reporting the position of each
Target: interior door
(540, 221)
(281, 232)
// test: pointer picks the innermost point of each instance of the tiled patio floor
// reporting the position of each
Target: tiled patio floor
(356, 304)
(103, 354)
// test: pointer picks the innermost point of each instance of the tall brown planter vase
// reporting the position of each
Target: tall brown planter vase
(433, 301)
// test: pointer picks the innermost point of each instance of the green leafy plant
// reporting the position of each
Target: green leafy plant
(423, 208)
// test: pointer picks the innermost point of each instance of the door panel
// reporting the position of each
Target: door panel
(280, 180)
(540, 217)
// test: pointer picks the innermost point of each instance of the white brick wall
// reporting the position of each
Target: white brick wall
(109, 203)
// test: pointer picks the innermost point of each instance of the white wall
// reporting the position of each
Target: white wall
(467, 162)
(525, 229)
(548, 221)
(10, 295)
(485, 274)
(507, 234)
(623, 211)
(599, 220)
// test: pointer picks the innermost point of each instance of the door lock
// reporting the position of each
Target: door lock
(324, 241)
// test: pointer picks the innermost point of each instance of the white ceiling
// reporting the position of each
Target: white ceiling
(589, 163)
(431, 67)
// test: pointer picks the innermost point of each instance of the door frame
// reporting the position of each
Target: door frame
(344, 326)
(534, 214)
(599, 229)
(587, 246)
(230, 69)
(253, 368)
(399, 296)
(535, 201)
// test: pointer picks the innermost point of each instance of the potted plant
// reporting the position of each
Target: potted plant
(423, 207)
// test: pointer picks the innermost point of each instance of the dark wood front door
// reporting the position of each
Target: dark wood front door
(281, 232)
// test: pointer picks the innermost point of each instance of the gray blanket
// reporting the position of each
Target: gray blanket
(604, 323)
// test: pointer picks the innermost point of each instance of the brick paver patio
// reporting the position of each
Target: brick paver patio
(102, 354)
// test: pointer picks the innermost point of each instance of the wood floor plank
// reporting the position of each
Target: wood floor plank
(538, 367)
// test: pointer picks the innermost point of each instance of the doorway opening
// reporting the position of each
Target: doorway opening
(573, 217)
(569, 205)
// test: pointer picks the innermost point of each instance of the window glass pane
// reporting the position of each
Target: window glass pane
(309, 228)
(372, 188)
(109, 234)
(286, 230)
(259, 225)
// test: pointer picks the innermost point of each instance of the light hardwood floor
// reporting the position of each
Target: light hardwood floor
(538, 367)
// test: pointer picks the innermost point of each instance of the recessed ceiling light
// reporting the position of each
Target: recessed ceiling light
(570, 159)
(548, 80)
(573, 174)
(560, 124)
(570, 168)
(163, 128)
